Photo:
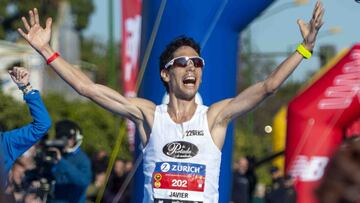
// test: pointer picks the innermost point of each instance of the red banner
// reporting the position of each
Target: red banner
(353, 129)
(317, 119)
(131, 32)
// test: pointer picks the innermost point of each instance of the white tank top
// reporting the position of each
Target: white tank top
(181, 161)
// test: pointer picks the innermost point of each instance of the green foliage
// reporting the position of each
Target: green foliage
(96, 52)
(250, 137)
(258, 146)
(99, 127)
(11, 12)
(82, 9)
(13, 114)
(264, 114)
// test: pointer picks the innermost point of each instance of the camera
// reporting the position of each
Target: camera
(40, 179)
(45, 157)
(48, 155)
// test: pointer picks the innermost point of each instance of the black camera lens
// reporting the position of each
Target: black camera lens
(50, 156)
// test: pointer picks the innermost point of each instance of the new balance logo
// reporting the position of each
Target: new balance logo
(345, 86)
(308, 169)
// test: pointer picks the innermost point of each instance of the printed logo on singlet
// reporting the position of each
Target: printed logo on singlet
(180, 150)
(177, 182)
(190, 133)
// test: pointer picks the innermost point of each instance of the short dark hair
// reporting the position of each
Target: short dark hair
(168, 53)
(66, 128)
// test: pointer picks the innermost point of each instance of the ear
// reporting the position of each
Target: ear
(165, 75)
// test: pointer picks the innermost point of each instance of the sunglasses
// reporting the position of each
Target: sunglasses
(183, 61)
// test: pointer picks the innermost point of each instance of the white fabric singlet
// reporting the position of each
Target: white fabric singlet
(181, 161)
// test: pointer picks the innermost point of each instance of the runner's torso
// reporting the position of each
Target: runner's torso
(181, 161)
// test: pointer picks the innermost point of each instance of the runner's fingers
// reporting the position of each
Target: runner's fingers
(26, 24)
(32, 18)
(318, 12)
(21, 32)
(36, 13)
(315, 7)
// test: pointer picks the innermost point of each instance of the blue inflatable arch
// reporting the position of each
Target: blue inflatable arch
(216, 25)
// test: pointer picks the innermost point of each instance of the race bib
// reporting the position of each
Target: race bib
(177, 182)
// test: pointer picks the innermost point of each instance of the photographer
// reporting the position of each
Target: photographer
(15, 142)
(72, 170)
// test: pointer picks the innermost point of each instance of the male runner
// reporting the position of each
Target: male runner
(182, 140)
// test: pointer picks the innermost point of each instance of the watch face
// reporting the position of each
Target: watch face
(27, 89)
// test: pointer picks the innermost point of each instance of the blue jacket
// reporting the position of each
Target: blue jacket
(15, 142)
(72, 175)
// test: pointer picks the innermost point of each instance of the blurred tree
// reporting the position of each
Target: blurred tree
(13, 114)
(100, 127)
(97, 124)
(257, 146)
(12, 10)
(250, 138)
(256, 142)
(82, 9)
(256, 66)
(265, 113)
(96, 52)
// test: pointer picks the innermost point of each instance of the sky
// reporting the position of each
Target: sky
(98, 26)
(279, 32)
(275, 31)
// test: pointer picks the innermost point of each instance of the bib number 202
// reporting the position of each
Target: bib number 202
(179, 183)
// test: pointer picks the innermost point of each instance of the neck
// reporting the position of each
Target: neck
(181, 110)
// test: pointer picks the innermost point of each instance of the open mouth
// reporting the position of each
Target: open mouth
(189, 81)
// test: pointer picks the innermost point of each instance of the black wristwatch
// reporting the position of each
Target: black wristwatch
(26, 88)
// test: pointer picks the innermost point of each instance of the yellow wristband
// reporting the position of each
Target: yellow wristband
(303, 51)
